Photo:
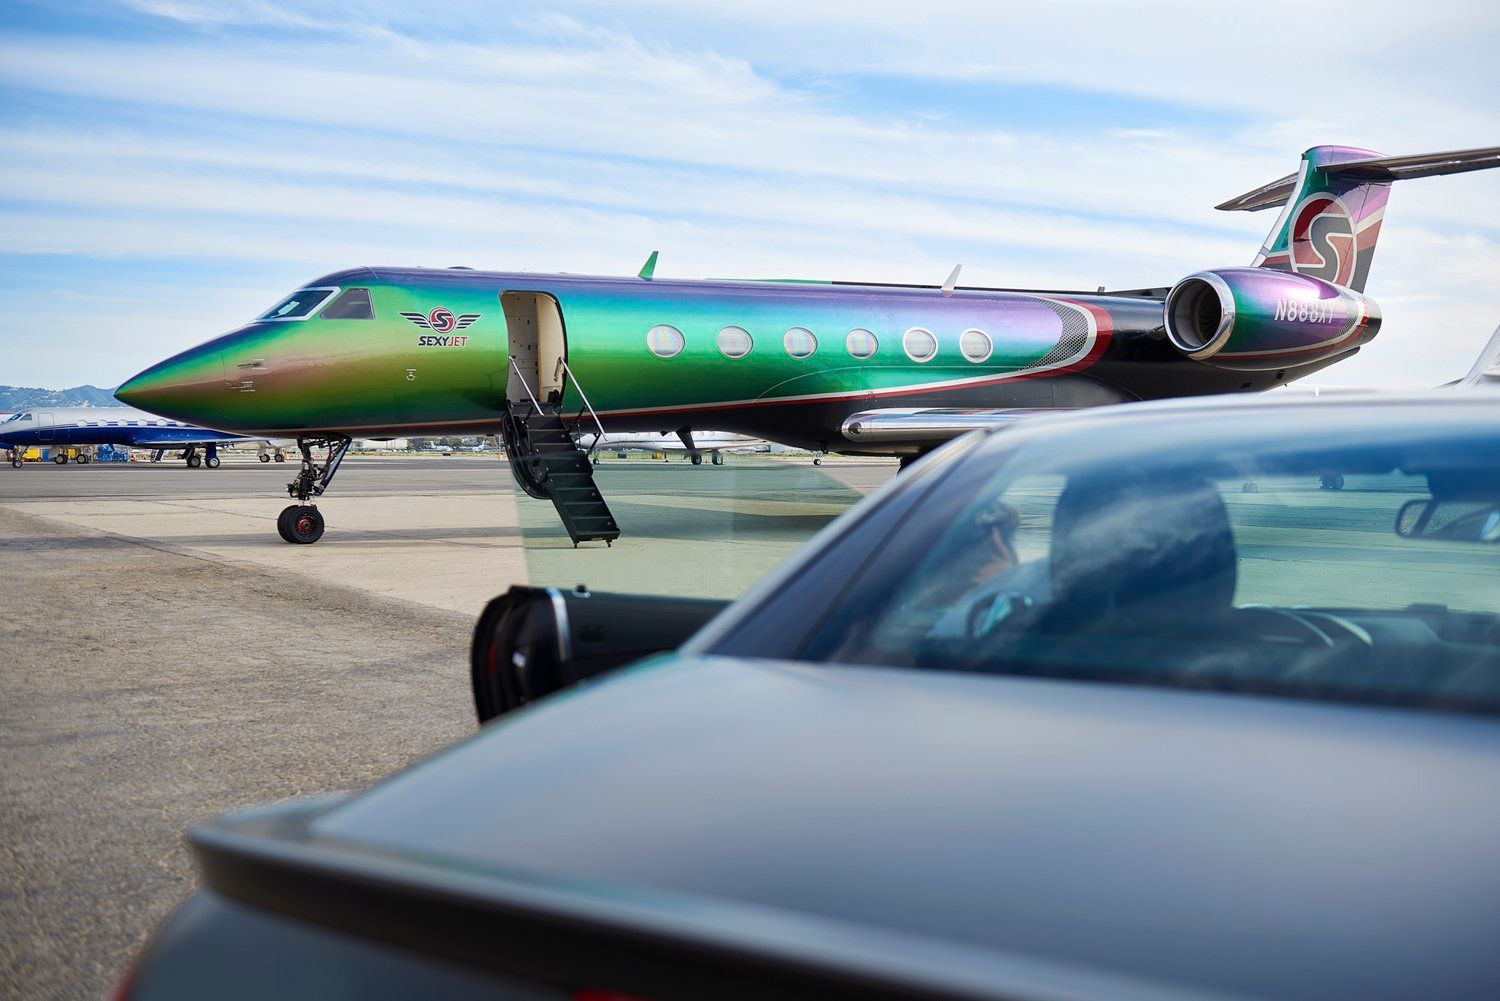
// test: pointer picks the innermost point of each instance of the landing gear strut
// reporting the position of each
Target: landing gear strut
(301, 523)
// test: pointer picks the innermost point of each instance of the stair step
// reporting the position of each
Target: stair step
(550, 463)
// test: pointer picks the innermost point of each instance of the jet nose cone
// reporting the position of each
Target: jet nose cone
(183, 387)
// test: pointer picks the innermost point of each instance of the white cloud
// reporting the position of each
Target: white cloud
(576, 139)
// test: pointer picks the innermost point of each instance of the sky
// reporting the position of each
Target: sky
(170, 168)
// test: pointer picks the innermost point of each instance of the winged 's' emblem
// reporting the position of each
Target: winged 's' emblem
(442, 320)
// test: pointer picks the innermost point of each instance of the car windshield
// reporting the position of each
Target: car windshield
(299, 305)
(1367, 570)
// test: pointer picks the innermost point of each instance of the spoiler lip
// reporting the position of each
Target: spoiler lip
(632, 939)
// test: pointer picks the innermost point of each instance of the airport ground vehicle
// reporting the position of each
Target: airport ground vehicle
(1231, 735)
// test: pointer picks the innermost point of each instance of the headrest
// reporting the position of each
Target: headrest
(1157, 549)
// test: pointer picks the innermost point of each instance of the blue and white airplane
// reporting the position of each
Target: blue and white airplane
(63, 427)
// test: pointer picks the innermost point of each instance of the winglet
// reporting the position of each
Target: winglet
(952, 282)
(649, 268)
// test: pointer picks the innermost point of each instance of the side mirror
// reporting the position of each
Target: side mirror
(533, 641)
(1450, 520)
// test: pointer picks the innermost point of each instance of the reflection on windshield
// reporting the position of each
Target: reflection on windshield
(299, 305)
(1250, 572)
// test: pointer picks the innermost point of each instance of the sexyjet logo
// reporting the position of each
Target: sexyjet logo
(1322, 239)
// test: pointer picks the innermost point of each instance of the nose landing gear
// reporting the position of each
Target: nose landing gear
(301, 523)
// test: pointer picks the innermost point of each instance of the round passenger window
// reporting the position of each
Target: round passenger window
(861, 343)
(665, 341)
(976, 346)
(919, 344)
(800, 342)
(735, 342)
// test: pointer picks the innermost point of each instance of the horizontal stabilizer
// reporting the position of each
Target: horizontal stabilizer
(1378, 168)
(926, 426)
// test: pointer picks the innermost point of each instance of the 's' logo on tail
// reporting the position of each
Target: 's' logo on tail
(1322, 239)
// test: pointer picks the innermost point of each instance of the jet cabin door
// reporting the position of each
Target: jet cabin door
(537, 345)
(46, 425)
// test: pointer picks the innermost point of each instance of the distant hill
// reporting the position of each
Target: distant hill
(21, 397)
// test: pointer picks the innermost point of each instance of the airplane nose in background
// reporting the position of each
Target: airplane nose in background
(182, 387)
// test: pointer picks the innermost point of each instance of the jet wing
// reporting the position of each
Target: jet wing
(927, 426)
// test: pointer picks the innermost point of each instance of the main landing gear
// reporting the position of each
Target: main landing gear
(301, 523)
(209, 458)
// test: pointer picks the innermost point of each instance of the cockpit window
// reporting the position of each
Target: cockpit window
(17, 417)
(300, 304)
(354, 304)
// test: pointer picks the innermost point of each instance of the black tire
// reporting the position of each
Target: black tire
(194, 461)
(264, 457)
(61, 458)
(282, 521)
(212, 462)
(718, 458)
(83, 457)
(16, 463)
(280, 457)
(818, 461)
(697, 459)
(305, 526)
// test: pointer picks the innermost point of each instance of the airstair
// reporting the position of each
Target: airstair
(549, 464)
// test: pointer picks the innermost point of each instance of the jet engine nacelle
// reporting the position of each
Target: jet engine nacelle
(1257, 319)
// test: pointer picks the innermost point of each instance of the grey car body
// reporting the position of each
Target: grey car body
(731, 820)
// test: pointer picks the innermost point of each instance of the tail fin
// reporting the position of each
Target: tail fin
(1334, 204)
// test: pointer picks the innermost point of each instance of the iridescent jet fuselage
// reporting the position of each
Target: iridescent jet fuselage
(390, 375)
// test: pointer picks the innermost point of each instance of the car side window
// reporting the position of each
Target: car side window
(992, 560)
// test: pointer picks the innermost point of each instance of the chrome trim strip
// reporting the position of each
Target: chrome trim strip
(564, 638)
(922, 425)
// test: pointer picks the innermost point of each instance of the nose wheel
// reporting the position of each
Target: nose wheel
(300, 524)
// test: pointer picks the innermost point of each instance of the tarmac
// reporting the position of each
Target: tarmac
(165, 656)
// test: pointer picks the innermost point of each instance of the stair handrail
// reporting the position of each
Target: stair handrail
(524, 385)
(584, 397)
